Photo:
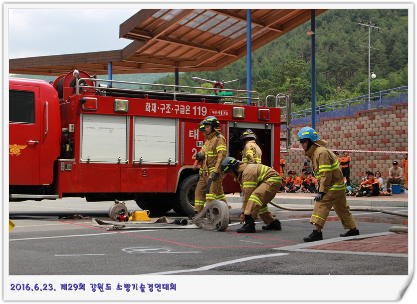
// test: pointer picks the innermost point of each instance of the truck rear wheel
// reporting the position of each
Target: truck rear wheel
(184, 205)
(157, 204)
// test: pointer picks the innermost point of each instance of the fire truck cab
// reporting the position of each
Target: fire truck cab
(96, 138)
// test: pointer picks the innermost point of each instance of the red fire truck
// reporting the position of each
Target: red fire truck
(100, 139)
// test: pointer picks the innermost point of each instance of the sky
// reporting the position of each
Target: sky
(43, 32)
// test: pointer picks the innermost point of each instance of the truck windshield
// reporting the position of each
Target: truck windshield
(21, 106)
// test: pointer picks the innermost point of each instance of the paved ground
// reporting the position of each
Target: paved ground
(45, 242)
(394, 243)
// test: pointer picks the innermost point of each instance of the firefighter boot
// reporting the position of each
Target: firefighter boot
(248, 226)
(350, 232)
(275, 225)
(314, 236)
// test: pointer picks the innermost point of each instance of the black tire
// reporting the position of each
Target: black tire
(184, 204)
(157, 204)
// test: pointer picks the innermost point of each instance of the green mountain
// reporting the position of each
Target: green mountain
(284, 65)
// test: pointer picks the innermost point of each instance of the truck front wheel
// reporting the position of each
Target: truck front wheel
(184, 204)
(157, 204)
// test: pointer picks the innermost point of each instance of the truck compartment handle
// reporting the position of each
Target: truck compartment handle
(32, 142)
(47, 127)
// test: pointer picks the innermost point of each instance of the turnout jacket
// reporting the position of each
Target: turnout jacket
(326, 168)
(252, 176)
(215, 152)
(203, 154)
(251, 153)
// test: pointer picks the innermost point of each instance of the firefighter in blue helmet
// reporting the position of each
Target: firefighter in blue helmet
(327, 170)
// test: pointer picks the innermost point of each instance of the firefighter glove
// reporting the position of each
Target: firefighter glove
(319, 196)
(214, 176)
(199, 157)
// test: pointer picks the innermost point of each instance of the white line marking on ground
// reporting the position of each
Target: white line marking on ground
(76, 255)
(209, 267)
(39, 225)
(251, 242)
(74, 235)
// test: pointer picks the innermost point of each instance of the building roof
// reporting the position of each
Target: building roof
(187, 39)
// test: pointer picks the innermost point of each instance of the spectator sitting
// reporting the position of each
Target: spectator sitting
(370, 186)
(309, 184)
(303, 175)
(395, 176)
(380, 180)
(293, 182)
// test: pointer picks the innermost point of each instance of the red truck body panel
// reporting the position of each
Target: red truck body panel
(100, 150)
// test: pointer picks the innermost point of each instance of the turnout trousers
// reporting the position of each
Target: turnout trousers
(259, 199)
(216, 191)
(200, 193)
(337, 200)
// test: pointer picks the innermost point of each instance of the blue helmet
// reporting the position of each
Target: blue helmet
(309, 133)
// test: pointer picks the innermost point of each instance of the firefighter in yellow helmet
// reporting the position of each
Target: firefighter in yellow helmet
(200, 189)
(251, 152)
(215, 152)
(327, 171)
(260, 185)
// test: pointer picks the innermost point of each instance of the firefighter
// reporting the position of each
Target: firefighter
(215, 152)
(200, 189)
(326, 169)
(251, 152)
(260, 185)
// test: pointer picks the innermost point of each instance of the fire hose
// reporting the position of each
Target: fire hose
(352, 209)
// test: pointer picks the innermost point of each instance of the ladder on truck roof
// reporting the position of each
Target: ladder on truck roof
(173, 94)
(285, 118)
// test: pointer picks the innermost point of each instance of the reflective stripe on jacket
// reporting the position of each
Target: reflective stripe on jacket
(252, 153)
(254, 175)
(326, 169)
(215, 151)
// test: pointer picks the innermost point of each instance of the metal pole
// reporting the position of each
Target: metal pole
(110, 72)
(249, 53)
(176, 79)
(369, 64)
(313, 69)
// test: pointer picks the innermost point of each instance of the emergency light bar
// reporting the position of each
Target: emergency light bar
(263, 114)
(89, 103)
